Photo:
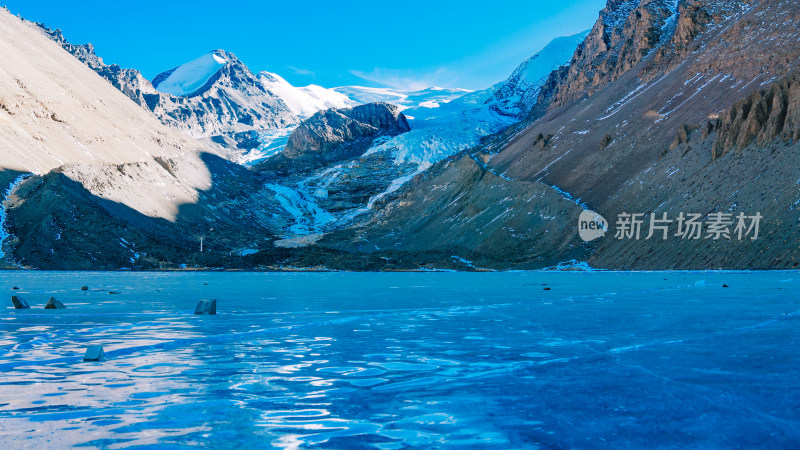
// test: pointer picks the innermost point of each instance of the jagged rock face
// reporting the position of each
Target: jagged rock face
(129, 81)
(693, 17)
(741, 50)
(760, 118)
(625, 33)
(339, 134)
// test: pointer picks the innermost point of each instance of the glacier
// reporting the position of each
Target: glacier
(443, 122)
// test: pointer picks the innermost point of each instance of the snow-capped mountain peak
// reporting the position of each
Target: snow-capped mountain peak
(515, 95)
(189, 78)
(303, 101)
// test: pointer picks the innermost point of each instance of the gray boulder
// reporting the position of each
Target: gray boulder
(206, 307)
(54, 304)
(19, 302)
(94, 353)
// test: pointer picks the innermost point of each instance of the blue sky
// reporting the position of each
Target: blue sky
(401, 44)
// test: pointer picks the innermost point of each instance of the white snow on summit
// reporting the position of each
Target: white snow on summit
(557, 53)
(190, 77)
(521, 89)
(427, 98)
(304, 101)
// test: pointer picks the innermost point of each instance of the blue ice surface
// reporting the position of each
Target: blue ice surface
(393, 360)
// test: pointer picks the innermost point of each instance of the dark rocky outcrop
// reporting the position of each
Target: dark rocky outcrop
(206, 307)
(762, 117)
(682, 136)
(693, 17)
(19, 302)
(54, 304)
(625, 32)
(335, 135)
(94, 353)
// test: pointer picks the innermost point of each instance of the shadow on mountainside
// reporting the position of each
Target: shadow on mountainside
(58, 224)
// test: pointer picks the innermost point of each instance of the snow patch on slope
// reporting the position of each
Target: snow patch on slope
(458, 124)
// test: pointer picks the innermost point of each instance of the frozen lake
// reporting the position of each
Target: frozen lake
(390, 360)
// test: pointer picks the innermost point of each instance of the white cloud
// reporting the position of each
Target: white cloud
(407, 79)
(305, 72)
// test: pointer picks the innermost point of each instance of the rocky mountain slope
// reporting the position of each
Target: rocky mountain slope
(258, 209)
(665, 108)
(350, 186)
(91, 180)
(51, 121)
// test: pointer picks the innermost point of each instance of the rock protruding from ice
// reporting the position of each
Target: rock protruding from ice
(94, 353)
(19, 302)
(54, 304)
(217, 96)
(339, 134)
(206, 307)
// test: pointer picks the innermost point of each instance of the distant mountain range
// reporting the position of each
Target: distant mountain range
(663, 107)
